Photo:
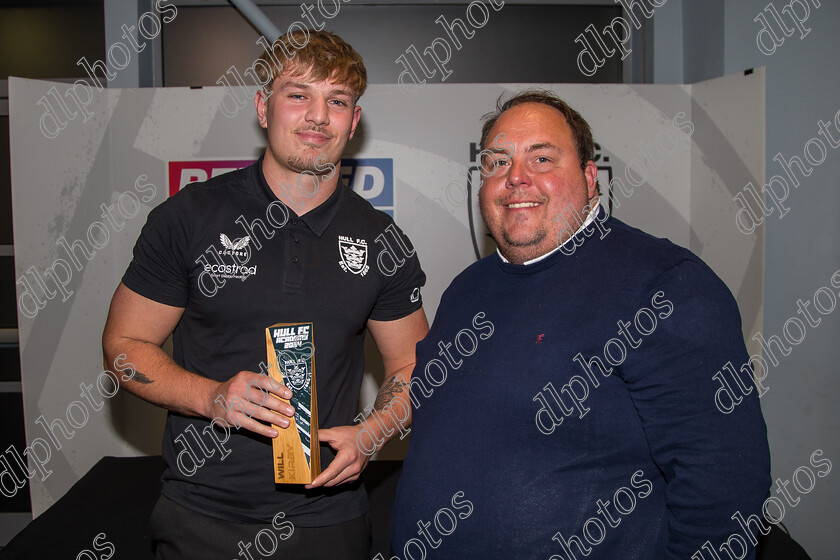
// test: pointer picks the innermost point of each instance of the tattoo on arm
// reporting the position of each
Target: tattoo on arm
(141, 378)
(388, 391)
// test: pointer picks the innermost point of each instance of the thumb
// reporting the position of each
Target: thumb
(326, 435)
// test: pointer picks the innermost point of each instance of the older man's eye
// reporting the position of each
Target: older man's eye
(490, 162)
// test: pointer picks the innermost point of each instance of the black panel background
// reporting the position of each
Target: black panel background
(11, 416)
(520, 43)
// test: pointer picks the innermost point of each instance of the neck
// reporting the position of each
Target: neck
(301, 192)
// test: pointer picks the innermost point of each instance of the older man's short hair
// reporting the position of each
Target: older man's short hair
(581, 133)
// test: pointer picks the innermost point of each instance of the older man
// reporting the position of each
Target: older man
(220, 262)
(586, 425)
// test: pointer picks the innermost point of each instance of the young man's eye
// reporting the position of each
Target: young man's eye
(339, 102)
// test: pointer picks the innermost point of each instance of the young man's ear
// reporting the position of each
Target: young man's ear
(260, 104)
(357, 115)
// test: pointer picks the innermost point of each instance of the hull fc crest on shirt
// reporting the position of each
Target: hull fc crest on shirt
(354, 254)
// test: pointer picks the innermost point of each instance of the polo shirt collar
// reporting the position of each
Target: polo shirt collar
(319, 218)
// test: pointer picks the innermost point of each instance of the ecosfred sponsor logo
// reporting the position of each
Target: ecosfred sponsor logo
(231, 270)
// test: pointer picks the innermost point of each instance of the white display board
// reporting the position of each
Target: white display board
(83, 182)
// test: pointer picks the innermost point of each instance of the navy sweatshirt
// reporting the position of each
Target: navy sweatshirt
(567, 409)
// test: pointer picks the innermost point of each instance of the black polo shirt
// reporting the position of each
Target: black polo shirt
(238, 261)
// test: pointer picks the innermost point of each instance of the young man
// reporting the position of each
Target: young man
(586, 424)
(278, 242)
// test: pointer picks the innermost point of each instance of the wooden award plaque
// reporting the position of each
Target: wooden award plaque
(291, 352)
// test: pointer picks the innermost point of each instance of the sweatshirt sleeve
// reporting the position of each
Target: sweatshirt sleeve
(712, 451)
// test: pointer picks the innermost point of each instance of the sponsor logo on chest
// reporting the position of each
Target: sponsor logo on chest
(235, 248)
(233, 260)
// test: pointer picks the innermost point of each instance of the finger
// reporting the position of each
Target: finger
(272, 403)
(267, 416)
(261, 389)
(274, 386)
(338, 465)
(324, 477)
(349, 474)
(280, 390)
(263, 382)
(326, 435)
(264, 422)
(258, 427)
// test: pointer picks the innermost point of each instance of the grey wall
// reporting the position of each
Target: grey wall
(703, 43)
(803, 247)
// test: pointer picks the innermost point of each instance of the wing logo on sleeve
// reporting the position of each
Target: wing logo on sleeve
(354, 254)
(415, 295)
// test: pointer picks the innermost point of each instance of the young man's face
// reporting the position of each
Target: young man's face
(524, 200)
(307, 121)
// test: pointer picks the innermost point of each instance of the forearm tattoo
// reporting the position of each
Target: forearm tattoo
(141, 378)
(389, 390)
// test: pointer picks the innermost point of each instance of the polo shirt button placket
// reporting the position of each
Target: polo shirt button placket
(293, 275)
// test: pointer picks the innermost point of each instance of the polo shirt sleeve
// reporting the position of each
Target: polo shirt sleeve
(400, 295)
(715, 462)
(159, 269)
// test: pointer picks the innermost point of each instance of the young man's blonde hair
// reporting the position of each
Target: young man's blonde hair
(320, 55)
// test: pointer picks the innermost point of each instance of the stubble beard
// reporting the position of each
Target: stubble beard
(518, 251)
(537, 238)
(514, 250)
(300, 164)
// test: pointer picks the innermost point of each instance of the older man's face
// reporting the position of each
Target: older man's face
(524, 201)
